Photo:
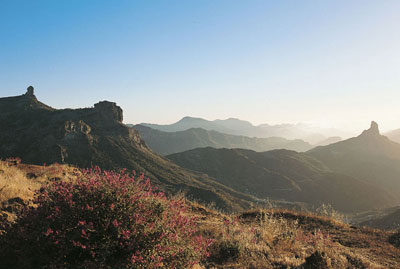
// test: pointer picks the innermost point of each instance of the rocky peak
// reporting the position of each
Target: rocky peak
(30, 92)
(109, 110)
(373, 130)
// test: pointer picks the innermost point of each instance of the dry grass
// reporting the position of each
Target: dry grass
(18, 183)
(327, 210)
(260, 238)
(14, 183)
(277, 238)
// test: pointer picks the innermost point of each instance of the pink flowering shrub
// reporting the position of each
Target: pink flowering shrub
(105, 220)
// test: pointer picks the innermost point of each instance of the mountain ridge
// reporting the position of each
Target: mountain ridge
(370, 156)
(235, 126)
(394, 135)
(85, 137)
(166, 143)
(284, 174)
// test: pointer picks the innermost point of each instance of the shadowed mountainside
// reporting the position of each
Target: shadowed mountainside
(370, 157)
(391, 220)
(40, 134)
(283, 174)
(166, 143)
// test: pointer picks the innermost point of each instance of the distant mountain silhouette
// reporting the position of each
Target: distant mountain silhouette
(370, 157)
(394, 135)
(190, 122)
(40, 134)
(244, 128)
(328, 141)
(283, 174)
(173, 142)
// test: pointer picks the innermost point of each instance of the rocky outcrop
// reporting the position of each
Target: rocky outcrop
(40, 134)
(73, 129)
(317, 260)
(372, 131)
(30, 92)
(86, 137)
(109, 110)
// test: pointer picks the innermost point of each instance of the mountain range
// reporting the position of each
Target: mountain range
(353, 175)
(38, 133)
(357, 174)
(244, 128)
(166, 143)
(283, 174)
(370, 156)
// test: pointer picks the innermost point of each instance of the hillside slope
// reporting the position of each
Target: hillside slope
(271, 238)
(40, 134)
(282, 174)
(370, 157)
(166, 143)
(391, 220)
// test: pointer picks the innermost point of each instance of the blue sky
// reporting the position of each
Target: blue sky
(329, 63)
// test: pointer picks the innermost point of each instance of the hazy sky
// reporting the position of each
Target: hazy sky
(333, 63)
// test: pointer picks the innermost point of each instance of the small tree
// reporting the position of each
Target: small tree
(106, 220)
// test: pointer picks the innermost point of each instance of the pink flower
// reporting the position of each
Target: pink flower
(48, 232)
(115, 223)
(126, 234)
(226, 221)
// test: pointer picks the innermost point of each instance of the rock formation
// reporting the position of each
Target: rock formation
(373, 130)
(38, 133)
(109, 110)
(30, 92)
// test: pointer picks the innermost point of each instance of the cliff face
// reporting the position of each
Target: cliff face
(109, 110)
(39, 134)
